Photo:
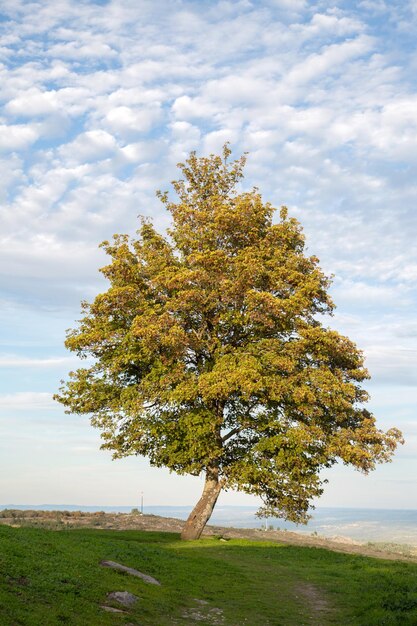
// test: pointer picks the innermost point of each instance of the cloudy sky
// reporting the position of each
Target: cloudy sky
(100, 100)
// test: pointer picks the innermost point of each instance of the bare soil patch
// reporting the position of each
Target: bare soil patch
(317, 602)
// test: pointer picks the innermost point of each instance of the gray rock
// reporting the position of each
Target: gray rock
(111, 609)
(123, 597)
(204, 613)
(130, 570)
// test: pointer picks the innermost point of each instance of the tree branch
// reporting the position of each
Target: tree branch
(230, 434)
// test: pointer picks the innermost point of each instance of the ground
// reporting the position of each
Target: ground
(137, 521)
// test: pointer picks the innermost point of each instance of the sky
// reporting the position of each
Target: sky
(98, 103)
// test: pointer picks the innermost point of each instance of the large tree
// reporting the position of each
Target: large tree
(210, 357)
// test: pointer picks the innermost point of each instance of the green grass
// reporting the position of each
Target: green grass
(48, 578)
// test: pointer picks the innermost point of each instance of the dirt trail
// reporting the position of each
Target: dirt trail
(315, 599)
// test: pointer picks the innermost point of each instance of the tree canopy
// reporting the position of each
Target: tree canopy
(210, 356)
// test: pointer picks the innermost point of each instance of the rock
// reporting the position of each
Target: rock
(204, 613)
(111, 609)
(130, 570)
(123, 597)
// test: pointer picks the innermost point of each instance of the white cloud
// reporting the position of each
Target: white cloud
(142, 151)
(185, 107)
(374, 5)
(17, 137)
(10, 360)
(336, 26)
(360, 293)
(235, 89)
(328, 60)
(90, 146)
(33, 102)
(12, 174)
(186, 137)
(136, 96)
(214, 141)
(128, 121)
(26, 401)
(392, 365)
(76, 50)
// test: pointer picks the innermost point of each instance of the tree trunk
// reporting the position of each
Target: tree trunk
(202, 511)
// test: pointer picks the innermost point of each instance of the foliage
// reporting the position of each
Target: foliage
(54, 577)
(209, 355)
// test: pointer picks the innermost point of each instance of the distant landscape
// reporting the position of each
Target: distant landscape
(382, 525)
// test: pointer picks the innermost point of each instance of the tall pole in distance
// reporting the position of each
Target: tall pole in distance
(141, 502)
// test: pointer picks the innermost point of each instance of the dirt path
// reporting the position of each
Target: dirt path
(315, 599)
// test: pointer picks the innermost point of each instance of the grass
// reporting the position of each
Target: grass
(50, 578)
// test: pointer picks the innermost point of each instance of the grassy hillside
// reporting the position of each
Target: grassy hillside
(55, 577)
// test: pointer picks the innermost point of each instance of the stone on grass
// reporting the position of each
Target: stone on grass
(111, 609)
(204, 613)
(130, 570)
(123, 597)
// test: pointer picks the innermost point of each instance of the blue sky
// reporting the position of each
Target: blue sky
(100, 101)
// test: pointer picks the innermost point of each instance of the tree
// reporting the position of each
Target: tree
(209, 355)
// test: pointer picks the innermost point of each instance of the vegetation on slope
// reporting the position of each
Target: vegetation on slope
(55, 577)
